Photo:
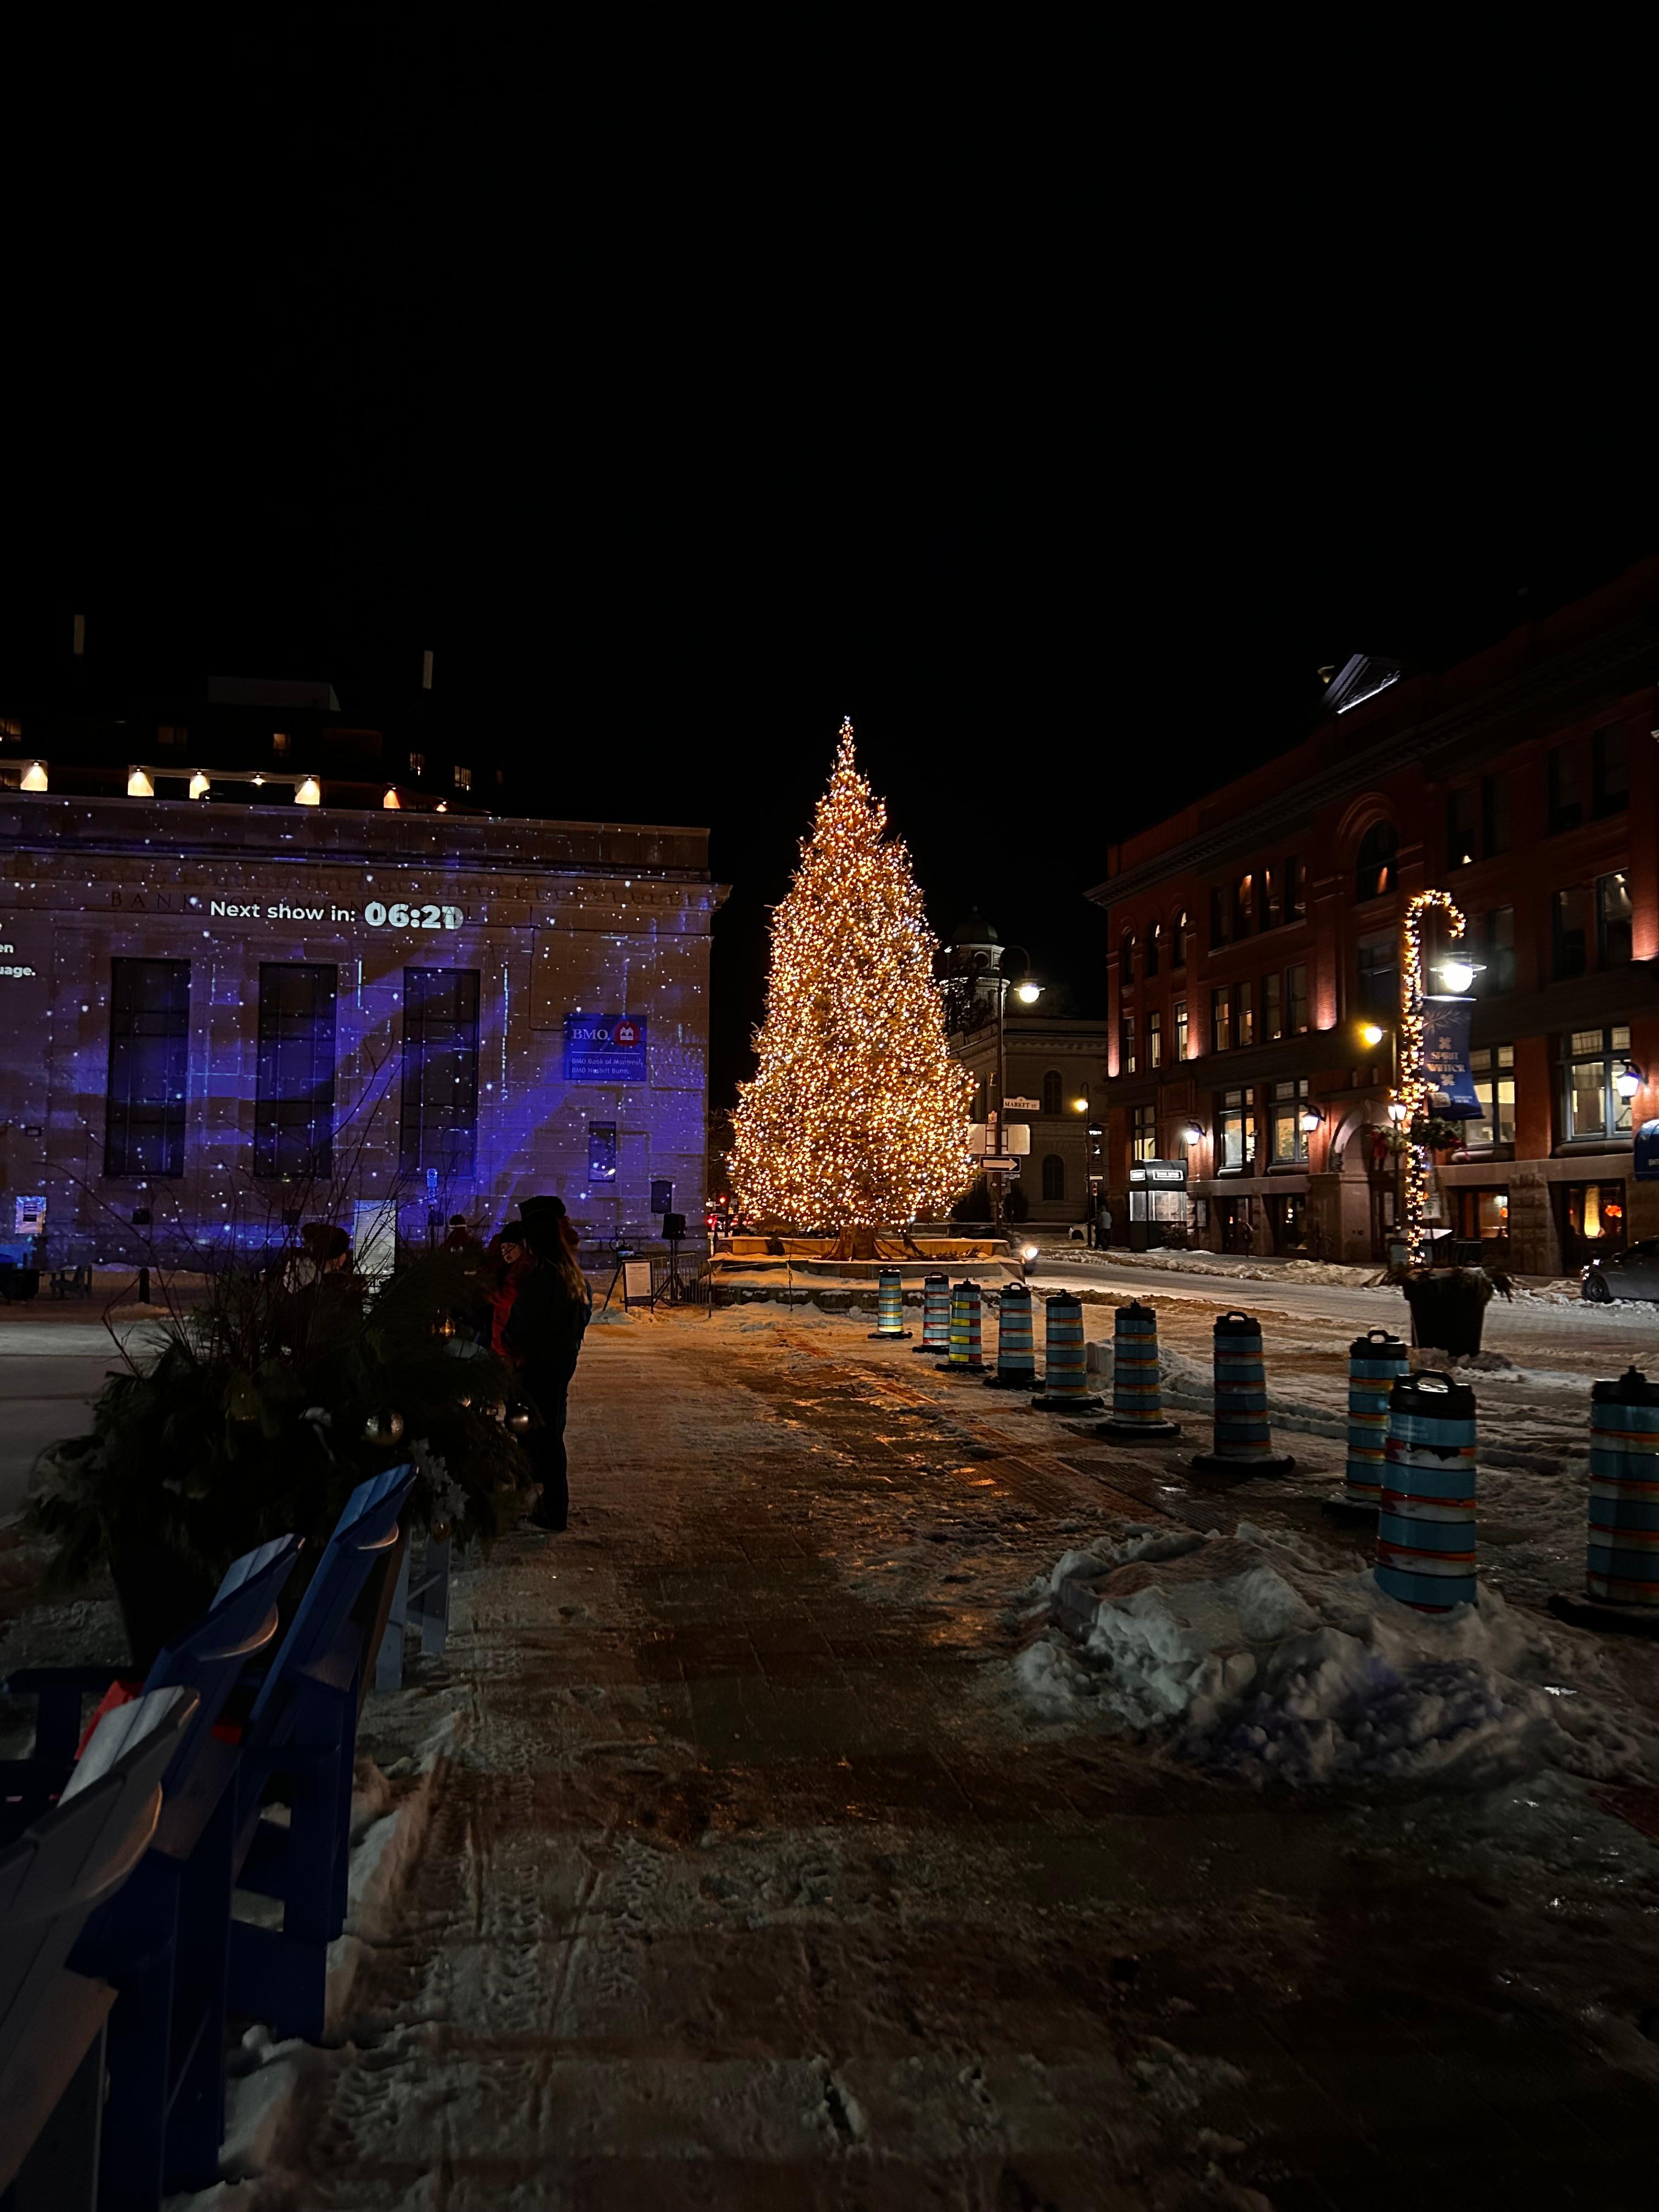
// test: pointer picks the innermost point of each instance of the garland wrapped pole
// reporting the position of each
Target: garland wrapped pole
(857, 1117)
(1412, 1093)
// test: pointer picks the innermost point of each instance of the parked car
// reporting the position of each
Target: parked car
(1631, 1273)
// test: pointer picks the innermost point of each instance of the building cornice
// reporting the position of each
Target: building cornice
(1618, 661)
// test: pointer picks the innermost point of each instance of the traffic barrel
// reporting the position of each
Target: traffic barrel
(1242, 1442)
(1376, 1363)
(1621, 1567)
(1016, 1357)
(890, 1307)
(966, 1356)
(1137, 1393)
(935, 1316)
(1065, 1384)
(1425, 1555)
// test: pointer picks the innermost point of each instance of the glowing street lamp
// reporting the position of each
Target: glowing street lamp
(1028, 992)
(1628, 1081)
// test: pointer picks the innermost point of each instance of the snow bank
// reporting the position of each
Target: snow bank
(1252, 1657)
(1333, 1273)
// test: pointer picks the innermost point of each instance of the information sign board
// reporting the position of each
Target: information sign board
(605, 1048)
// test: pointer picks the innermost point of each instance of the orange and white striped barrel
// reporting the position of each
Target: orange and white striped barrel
(1425, 1528)
(1622, 1565)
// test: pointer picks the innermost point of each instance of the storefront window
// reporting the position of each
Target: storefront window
(1295, 991)
(1613, 946)
(439, 1118)
(1154, 1039)
(1145, 1133)
(1236, 1131)
(1493, 1069)
(149, 1067)
(1286, 1102)
(1221, 1018)
(1484, 1214)
(294, 1096)
(1594, 1107)
(1179, 1014)
(1592, 1219)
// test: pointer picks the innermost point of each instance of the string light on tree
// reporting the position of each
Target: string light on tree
(1412, 1097)
(857, 1117)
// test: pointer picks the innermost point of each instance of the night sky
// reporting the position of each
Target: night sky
(671, 472)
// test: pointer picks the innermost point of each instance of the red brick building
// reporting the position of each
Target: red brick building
(1259, 928)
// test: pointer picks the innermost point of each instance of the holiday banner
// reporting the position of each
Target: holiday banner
(1446, 1060)
(605, 1048)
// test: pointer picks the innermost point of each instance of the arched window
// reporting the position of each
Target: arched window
(1054, 1176)
(1154, 947)
(1051, 1092)
(1183, 932)
(1126, 958)
(1376, 871)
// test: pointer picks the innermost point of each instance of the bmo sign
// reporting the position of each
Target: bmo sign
(605, 1048)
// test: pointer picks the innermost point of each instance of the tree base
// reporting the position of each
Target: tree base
(889, 1336)
(1082, 1404)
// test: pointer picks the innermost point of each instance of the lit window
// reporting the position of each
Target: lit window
(1145, 1133)
(1236, 1131)
(1594, 1107)
(280, 744)
(1178, 1013)
(1125, 1045)
(1221, 1018)
(1155, 1040)
(1375, 874)
(1492, 1067)
(417, 763)
(1286, 1105)
(463, 779)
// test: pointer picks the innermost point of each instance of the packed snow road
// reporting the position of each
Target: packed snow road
(762, 1870)
(1522, 1328)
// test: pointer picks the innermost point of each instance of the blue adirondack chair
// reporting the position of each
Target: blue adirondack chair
(162, 1942)
(298, 1748)
(52, 1878)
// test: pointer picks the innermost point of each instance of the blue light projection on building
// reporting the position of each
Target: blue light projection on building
(224, 1015)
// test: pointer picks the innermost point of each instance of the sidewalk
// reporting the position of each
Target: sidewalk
(753, 1882)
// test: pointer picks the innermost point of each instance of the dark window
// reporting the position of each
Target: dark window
(1495, 814)
(294, 1103)
(1379, 976)
(1595, 1106)
(1567, 799)
(1461, 843)
(1183, 932)
(1273, 1008)
(439, 1124)
(1572, 932)
(1497, 924)
(1375, 873)
(1273, 897)
(1221, 1018)
(1154, 1040)
(1296, 889)
(1220, 915)
(1610, 771)
(1125, 1045)
(1154, 947)
(1126, 958)
(1051, 1092)
(149, 1066)
(1236, 1131)
(1295, 991)
(1613, 946)
(1145, 1133)
(1243, 906)
(1244, 1013)
(1054, 1176)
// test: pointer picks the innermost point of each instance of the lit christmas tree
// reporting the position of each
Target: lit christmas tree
(857, 1119)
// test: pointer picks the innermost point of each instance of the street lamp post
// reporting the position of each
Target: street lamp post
(1028, 992)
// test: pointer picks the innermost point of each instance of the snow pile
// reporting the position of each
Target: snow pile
(1252, 1657)
(1334, 1273)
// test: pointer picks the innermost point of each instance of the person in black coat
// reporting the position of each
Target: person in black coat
(542, 1337)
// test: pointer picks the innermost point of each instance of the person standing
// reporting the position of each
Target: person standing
(543, 1338)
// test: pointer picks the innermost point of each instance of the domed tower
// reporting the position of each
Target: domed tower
(969, 962)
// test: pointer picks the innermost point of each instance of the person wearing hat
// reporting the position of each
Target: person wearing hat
(542, 1337)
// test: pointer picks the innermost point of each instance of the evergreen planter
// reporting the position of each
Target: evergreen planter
(1448, 1308)
(162, 1594)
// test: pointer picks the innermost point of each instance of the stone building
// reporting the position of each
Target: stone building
(275, 1002)
(1056, 1073)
